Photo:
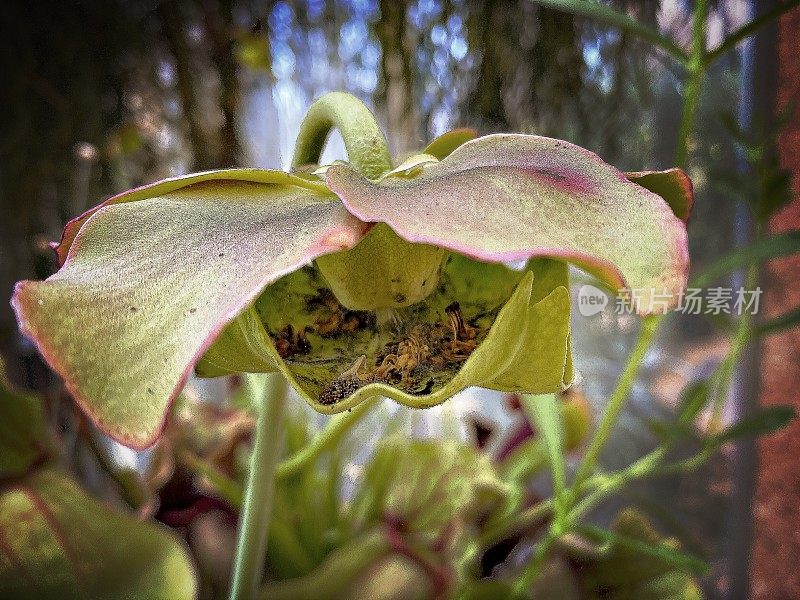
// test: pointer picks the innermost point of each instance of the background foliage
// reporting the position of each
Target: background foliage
(101, 96)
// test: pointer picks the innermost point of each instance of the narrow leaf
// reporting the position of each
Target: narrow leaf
(636, 561)
(749, 29)
(663, 552)
(784, 321)
(765, 421)
(673, 185)
(447, 142)
(606, 14)
(693, 400)
(766, 248)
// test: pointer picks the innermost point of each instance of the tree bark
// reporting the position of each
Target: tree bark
(397, 92)
(776, 508)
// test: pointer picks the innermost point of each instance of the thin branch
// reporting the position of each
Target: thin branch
(606, 14)
(749, 29)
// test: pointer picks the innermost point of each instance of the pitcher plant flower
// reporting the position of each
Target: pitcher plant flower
(354, 280)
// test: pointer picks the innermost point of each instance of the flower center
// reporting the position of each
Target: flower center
(333, 350)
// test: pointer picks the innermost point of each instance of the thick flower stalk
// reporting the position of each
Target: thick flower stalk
(353, 280)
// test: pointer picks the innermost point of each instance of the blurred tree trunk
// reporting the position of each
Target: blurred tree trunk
(211, 148)
(776, 507)
(556, 76)
(219, 22)
(63, 64)
(529, 75)
(490, 27)
(397, 91)
(171, 13)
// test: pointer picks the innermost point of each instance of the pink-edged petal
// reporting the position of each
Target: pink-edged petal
(509, 197)
(148, 285)
(171, 184)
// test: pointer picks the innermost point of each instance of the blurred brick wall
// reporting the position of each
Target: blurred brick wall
(776, 549)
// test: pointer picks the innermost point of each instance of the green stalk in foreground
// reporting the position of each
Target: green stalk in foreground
(696, 68)
(334, 431)
(269, 394)
(367, 150)
(617, 400)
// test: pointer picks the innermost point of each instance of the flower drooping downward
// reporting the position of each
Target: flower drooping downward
(355, 280)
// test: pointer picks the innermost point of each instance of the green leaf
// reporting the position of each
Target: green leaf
(242, 347)
(777, 324)
(673, 185)
(447, 142)
(635, 561)
(24, 440)
(60, 543)
(605, 14)
(693, 399)
(510, 197)
(766, 248)
(765, 421)
(152, 277)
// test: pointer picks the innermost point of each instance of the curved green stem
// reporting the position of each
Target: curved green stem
(336, 574)
(724, 375)
(615, 18)
(270, 398)
(749, 29)
(336, 428)
(517, 523)
(696, 67)
(618, 398)
(366, 145)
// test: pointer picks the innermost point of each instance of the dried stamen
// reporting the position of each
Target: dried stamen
(289, 343)
(346, 383)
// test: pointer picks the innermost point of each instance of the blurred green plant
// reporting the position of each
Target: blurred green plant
(425, 518)
(58, 541)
